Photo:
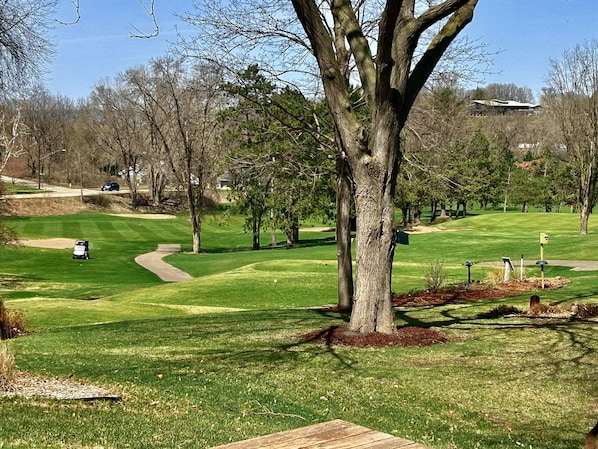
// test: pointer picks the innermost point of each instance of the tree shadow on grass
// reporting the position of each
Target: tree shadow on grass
(304, 243)
(564, 341)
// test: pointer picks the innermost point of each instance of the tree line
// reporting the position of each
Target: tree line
(171, 124)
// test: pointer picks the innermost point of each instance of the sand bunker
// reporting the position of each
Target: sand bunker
(57, 243)
(147, 216)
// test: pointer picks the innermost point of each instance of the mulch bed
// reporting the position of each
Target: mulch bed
(475, 292)
(420, 336)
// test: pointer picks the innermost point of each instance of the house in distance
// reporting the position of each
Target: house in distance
(501, 107)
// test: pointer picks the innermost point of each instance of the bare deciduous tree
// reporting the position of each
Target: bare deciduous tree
(11, 134)
(509, 92)
(390, 81)
(46, 117)
(120, 129)
(180, 106)
(571, 98)
(24, 47)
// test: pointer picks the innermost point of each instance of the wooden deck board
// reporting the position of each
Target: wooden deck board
(336, 434)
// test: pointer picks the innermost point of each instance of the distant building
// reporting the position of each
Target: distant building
(501, 107)
(225, 181)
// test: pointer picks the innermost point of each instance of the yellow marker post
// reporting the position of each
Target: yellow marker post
(543, 241)
(542, 262)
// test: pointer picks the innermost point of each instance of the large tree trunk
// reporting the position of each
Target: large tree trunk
(375, 180)
(372, 311)
(290, 240)
(195, 231)
(433, 210)
(343, 235)
(157, 183)
(587, 189)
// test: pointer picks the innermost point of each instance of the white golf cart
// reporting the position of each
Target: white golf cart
(81, 249)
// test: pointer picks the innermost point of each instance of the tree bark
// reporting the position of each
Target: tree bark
(255, 245)
(194, 218)
(343, 235)
(588, 176)
(584, 217)
(375, 181)
(372, 310)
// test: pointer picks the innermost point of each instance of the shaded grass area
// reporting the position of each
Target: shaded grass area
(194, 378)
(200, 381)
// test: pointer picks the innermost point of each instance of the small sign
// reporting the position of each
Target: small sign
(543, 238)
(402, 237)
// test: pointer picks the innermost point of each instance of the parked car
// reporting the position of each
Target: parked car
(81, 249)
(110, 186)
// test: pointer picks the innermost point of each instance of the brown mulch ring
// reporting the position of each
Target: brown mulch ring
(405, 336)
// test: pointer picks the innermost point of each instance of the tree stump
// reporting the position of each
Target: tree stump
(534, 301)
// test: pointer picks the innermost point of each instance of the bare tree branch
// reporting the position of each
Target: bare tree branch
(75, 4)
(151, 12)
(9, 140)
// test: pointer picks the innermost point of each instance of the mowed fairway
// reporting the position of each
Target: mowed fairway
(217, 358)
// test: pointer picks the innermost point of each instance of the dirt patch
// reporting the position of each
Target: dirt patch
(31, 386)
(43, 206)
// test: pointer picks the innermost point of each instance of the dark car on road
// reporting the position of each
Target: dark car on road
(110, 186)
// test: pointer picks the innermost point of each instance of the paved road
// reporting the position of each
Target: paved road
(50, 190)
(154, 263)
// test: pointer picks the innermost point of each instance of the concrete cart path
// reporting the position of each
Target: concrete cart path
(154, 263)
(576, 265)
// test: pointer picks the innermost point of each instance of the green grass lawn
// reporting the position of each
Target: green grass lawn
(13, 189)
(217, 359)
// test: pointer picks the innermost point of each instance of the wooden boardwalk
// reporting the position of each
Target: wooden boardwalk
(334, 434)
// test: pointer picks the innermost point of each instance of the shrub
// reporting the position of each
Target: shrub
(587, 310)
(7, 235)
(102, 201)
(434, 274)
(495, 277)
(7, 367)
(11, 322)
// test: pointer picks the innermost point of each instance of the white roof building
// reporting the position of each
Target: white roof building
(495, 106)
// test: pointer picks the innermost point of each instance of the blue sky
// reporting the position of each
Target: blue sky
(525, 33)
(528, 33)
(100, 46)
